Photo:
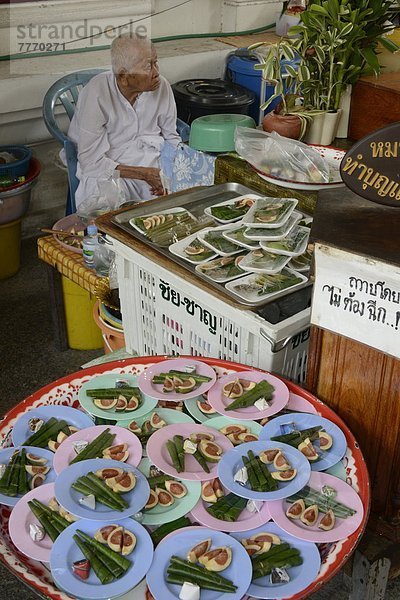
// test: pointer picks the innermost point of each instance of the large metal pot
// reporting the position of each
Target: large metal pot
(15, 203)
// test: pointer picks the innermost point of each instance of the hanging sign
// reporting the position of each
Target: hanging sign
(371, 168)
(357, 297)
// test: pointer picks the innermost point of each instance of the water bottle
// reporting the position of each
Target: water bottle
(90, 243)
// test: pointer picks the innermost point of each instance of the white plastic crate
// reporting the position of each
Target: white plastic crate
(165, 314)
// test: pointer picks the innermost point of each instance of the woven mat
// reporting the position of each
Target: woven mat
(243, 41)
(68, 263)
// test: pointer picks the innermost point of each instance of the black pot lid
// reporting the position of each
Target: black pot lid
(211, 92)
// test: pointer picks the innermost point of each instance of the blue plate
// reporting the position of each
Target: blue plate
(69, 498)
(65, 552)
(304, 421)
(231, 462)
(5, 456)
(300, 577)
(179, 543)
(72, 416)
(108, 381)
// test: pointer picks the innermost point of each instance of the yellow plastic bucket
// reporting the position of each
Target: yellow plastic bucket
(10, 248)
(82, 331)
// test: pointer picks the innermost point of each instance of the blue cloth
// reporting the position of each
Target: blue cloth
(183, 167)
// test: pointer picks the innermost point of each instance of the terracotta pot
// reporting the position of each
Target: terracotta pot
(287, 125)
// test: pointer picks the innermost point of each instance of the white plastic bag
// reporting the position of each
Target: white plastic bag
(281, 157)
(110, 197)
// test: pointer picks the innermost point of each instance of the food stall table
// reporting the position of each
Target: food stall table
(64, 391)
(63, 262)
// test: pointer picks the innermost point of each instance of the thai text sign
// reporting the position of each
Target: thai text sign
(357, 297)
(371, 167)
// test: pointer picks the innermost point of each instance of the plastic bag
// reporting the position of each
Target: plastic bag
(281, 157)
(110, 197)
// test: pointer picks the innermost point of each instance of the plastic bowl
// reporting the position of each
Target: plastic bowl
(67, 224)
(20, 166)
(32, 173)
(216, 133)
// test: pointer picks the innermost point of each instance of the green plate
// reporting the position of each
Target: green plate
(221, 421)
(108, 381)
(196, 413)
(165, 514)
(170, 416)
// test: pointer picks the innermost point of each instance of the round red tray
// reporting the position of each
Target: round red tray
(64, 391)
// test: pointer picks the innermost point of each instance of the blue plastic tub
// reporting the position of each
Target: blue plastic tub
(240, 70)
(19, 167)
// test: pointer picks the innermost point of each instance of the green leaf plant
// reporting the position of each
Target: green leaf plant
(336, 42)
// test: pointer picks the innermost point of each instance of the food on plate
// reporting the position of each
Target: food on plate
(197, 251)
(274, 560)
(182, 571)
(19, 476)
(227, 508)
(220, 269)
(194, 553)
(237, 237)
(310, 515)
(107, 564)
(292, 243)
(268, 284)
(106, 490)
(245, 396)
(261, 259)
(202, 449)
(118, 452)
(302, 262)
(220, 243)
(217, 559)
(235, 210)
(165, 229)
(81, 568)
(238, 434)
(181, 382)
(205, 407)
(49, 433)
(256, 474)
(95, 448)
(52, 522)
(270, 211)
(328, 521)
(302, 440)
(308, 497)
(120, 398)
(148, 427)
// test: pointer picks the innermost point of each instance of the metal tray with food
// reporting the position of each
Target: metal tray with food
(194, 201)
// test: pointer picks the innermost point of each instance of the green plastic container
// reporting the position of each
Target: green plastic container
(216, 133)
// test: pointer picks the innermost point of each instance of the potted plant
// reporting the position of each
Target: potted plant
(336, 42)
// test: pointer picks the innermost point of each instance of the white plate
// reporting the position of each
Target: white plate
(302, 269)
(333, 157)
(254, 297)
(275, 265)
(178, 248)
(208, 212)
(177, 209)
(230, 235)
(303, 235)
(201, 234)
(290, 203)
(200, 268)
(274, 234)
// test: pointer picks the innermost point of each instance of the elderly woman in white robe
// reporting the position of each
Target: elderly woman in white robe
(121, 120)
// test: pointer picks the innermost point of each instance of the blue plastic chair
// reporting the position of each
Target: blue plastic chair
(65, 92)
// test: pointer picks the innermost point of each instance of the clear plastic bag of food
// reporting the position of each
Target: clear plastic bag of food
(281, 157)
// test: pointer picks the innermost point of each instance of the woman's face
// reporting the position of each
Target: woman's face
(146, 77)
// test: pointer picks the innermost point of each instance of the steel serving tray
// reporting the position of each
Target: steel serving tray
(195, 200)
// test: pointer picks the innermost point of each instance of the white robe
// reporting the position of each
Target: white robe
(109, 131)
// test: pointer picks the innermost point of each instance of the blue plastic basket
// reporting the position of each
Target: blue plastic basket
(21, 166)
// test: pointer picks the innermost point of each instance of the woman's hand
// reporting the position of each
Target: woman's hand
(149, 174)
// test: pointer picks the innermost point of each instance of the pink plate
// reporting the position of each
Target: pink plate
(179, 364)
(158, 453)
(20, 519)
(65, 453)
(280, 397)
(300, 404)
(245, 522)
(343, 527)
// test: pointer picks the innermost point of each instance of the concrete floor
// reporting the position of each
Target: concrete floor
(29, 360)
